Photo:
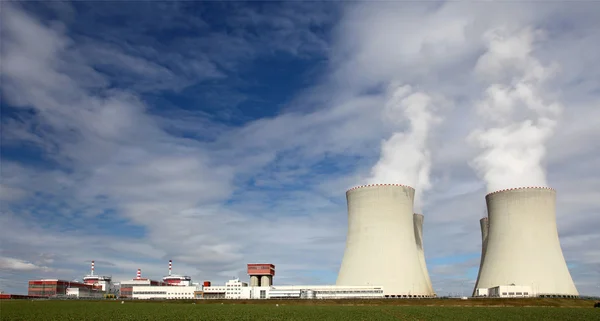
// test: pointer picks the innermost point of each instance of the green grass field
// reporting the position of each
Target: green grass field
(287, 310)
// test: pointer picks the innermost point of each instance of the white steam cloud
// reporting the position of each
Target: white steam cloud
(516, 116)
(405, 158)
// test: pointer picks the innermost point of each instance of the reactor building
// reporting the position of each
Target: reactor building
(520, 246)
(384, 244)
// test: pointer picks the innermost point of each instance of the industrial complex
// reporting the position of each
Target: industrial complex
(383, 258)
(182, 287)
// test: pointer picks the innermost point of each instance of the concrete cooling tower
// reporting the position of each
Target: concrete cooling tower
(381, 245)
(418, 225)
(520, 244)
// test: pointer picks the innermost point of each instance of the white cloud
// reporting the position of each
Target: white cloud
(187, 200)
(14, 264)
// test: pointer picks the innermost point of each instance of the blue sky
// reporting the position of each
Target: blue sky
(221, 133)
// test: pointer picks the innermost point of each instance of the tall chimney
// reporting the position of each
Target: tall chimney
(139, 274)
(170, 267)
(92, 267)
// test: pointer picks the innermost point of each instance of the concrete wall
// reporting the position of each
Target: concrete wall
(380, 244)
(522, 243)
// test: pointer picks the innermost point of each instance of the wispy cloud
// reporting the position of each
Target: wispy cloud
(128, 141)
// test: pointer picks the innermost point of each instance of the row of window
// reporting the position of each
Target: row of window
(42, 293)
(515, 293)
(42, 286)
(349, 292)
(160, 292)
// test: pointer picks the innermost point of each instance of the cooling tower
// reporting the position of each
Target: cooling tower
(520, 243)
(381, 247)
(418, 225)
(483, 224)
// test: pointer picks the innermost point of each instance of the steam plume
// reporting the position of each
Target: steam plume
(517, 119)
(405, 158)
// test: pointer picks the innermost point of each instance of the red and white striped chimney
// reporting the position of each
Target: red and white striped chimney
(139, 274)
(92, 267)
(170, 266)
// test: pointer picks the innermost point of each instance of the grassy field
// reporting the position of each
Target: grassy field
(301, 310)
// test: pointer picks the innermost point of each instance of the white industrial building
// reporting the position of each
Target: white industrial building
(84, 293)
(505, 291)
(384, 242)
(168, 292)
(325, 292)
(520, 246)
(235, 289)
(214, 292)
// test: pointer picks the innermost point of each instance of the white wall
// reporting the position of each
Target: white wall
(164, 292)
(83, 293)
(511, 291)
(482, 292)
(234, 290)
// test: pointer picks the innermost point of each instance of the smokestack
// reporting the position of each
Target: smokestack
(139, 274)
(170, 266)
(92, 267)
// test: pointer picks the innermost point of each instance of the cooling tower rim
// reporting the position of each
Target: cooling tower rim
(520, 188)
(375, 185)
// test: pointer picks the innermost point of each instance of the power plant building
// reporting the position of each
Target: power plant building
(127, 286)
(384, 242)
(261, 274)
(520, 246)
(57, 288)
(175, 279)
(104, 281)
